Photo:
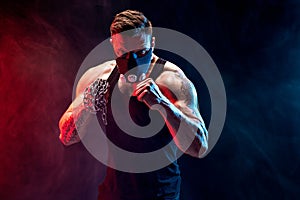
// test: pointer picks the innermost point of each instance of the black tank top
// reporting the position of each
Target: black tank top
(161, 184)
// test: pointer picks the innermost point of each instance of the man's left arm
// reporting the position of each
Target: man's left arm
(175, 97)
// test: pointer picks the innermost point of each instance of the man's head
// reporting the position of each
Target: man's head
(131, 20)
(132, 41)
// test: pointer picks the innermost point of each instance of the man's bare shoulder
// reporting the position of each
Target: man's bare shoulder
(101, 71)
(171, 74)
(173, 81)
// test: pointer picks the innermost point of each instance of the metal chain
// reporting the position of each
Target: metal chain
(95, 98)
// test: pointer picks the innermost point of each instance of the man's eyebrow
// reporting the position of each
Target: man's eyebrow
(124, 50)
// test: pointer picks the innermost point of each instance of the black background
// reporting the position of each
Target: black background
(255, 44)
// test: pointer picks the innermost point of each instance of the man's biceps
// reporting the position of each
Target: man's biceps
(187, 95)
(80, 88)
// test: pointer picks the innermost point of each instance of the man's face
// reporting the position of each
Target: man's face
(133, 54)
(138, 44)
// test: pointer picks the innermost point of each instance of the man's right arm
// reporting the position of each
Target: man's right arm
(73, 123)
(76, 117)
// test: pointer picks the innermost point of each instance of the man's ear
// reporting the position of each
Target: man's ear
(153, 42)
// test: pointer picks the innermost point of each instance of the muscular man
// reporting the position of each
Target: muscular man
(141, 82)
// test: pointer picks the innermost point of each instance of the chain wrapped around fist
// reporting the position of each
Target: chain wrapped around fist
(95, 98)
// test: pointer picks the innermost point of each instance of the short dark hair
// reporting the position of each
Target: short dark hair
(131, 20)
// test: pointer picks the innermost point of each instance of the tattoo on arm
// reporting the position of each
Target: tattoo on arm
(69, 133)
(186, 91)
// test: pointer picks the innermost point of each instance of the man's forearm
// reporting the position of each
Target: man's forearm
(68, 133)
(73, 122)
(190, 134)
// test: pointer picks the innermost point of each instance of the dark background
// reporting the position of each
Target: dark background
(255, 44)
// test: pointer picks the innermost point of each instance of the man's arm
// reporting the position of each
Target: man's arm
(176, 100)
(77, 117)
(73, 122)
